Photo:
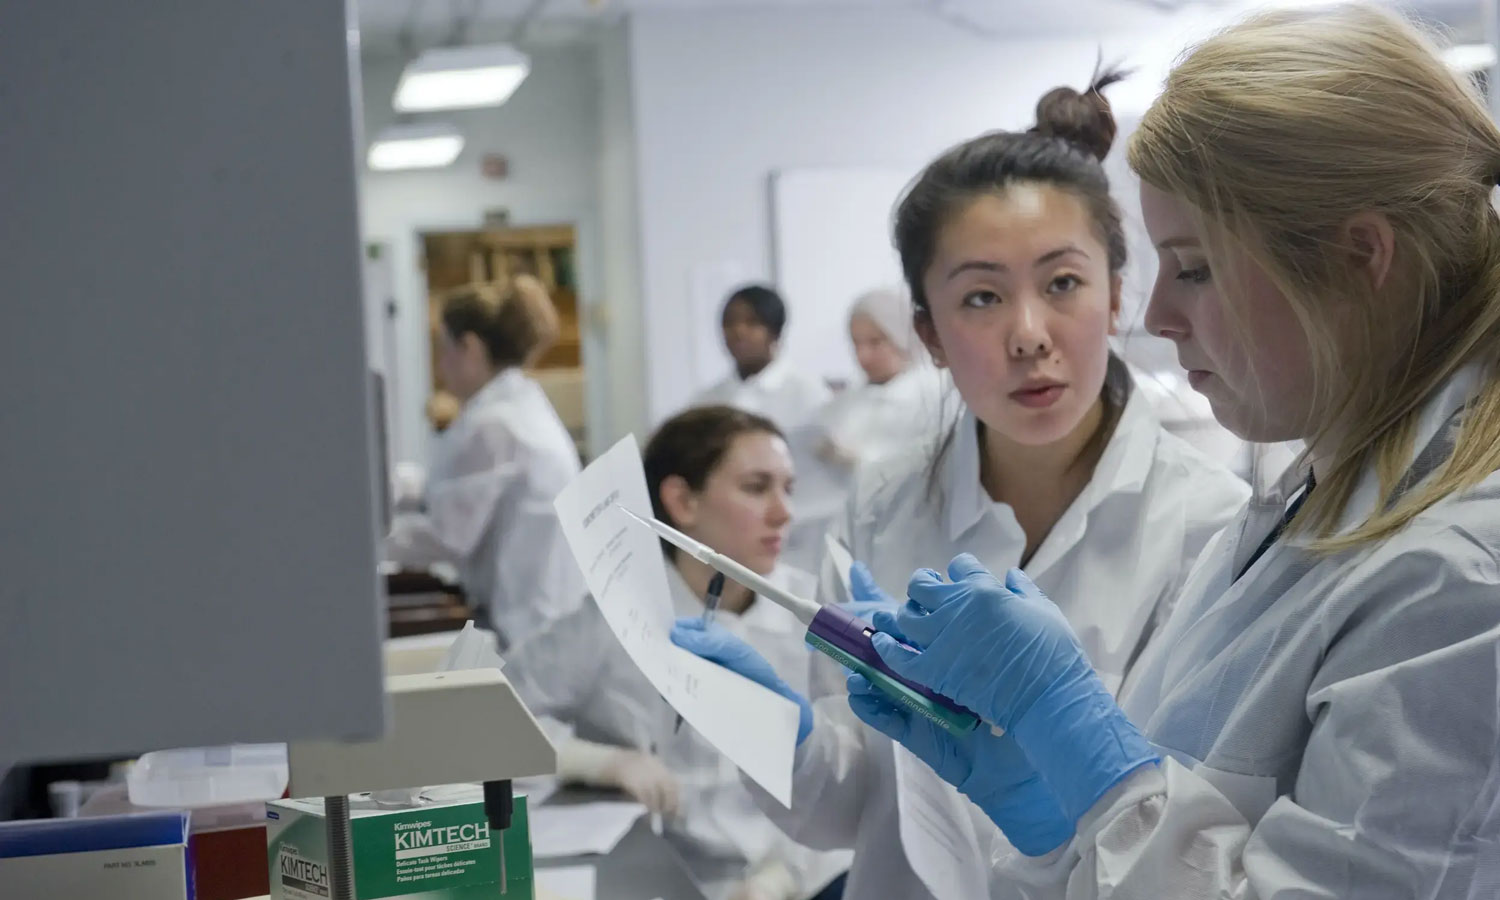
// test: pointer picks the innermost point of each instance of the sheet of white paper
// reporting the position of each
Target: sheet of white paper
(843, 561)
(568, 882)
(579, 829)
(754, 727)
(938, 830)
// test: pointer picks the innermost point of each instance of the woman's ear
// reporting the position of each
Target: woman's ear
(1116, 285)
(922, 320)
(1372, 245)
(679, 501)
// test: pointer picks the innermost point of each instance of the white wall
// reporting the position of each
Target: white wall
(724, 98)
(619, 214)
(550, 133)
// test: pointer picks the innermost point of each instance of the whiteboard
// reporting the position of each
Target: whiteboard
(831, 242)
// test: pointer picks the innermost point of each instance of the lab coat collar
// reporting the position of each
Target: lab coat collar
(771, 378)
(502, 385)
(1122, 468)
(762, 614)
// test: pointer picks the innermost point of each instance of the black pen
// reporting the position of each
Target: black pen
(710, 604)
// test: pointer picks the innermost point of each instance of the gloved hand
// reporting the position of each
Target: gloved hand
(644, 778)
(868, 597)
(716, 644)
(1006, 652)
(771, 880)
(988, 769)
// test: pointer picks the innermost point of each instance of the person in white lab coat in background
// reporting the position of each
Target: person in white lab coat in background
(1012, 249)
(762, 382)
(724, 477)
(498, 467)
(898, 405)
(1319, 716)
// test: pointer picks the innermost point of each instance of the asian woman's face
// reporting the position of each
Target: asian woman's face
(1252, 362)
(1021, 303)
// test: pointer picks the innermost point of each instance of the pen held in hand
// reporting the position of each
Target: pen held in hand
(710, 606)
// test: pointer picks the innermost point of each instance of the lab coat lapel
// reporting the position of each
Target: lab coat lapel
(1221, 610)
(1122, 468)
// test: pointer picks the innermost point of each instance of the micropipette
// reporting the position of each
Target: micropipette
(838, 634)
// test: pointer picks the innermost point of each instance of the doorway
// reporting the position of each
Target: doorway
(549, 253)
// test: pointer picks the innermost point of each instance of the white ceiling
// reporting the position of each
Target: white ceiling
(383, 22)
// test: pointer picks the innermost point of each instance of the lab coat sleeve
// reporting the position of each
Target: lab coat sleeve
(1397, 778)
(829, 775)
(461, 505)
(1213, 499)
(557, 670)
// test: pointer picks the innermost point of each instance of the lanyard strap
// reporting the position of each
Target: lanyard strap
(1286, 519)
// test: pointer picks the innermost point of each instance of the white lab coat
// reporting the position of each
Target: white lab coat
(577, 672)
(779, 392)
(871, 421)
(875, 421)
(1331, 725)
(495, 473)
(1115, 560)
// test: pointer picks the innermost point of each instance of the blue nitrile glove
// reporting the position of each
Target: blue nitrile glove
(716, 644)
(1006, 652)
(868, 597)
(989, 770)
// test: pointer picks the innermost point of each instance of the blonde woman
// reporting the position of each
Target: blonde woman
(497, 468)
(1319, 716)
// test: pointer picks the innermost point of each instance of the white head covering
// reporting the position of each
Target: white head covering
(891, 311)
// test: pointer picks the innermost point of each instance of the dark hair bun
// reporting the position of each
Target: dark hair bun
(1083, 120)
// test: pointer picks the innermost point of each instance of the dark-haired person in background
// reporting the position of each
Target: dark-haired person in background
(723, 476)
(762, 382)
(497, 468)
(1012, 248)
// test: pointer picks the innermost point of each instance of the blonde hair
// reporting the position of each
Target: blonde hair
(1280, 129)
(515, 319)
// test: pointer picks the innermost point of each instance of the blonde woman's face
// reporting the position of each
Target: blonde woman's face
(1252, 360)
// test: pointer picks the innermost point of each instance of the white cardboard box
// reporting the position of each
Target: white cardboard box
(158, 871)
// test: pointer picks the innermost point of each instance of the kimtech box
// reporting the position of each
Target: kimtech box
(441, 850)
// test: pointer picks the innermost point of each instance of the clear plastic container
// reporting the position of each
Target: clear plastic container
(209, 776)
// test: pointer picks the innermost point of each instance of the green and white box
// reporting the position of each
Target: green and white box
(433, 851)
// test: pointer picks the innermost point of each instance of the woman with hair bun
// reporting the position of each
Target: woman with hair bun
(1012, 249)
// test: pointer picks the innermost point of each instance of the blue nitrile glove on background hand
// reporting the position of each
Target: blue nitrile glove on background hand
(989, 770)
(1006, 652)
(716, 644)
(868, 597)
